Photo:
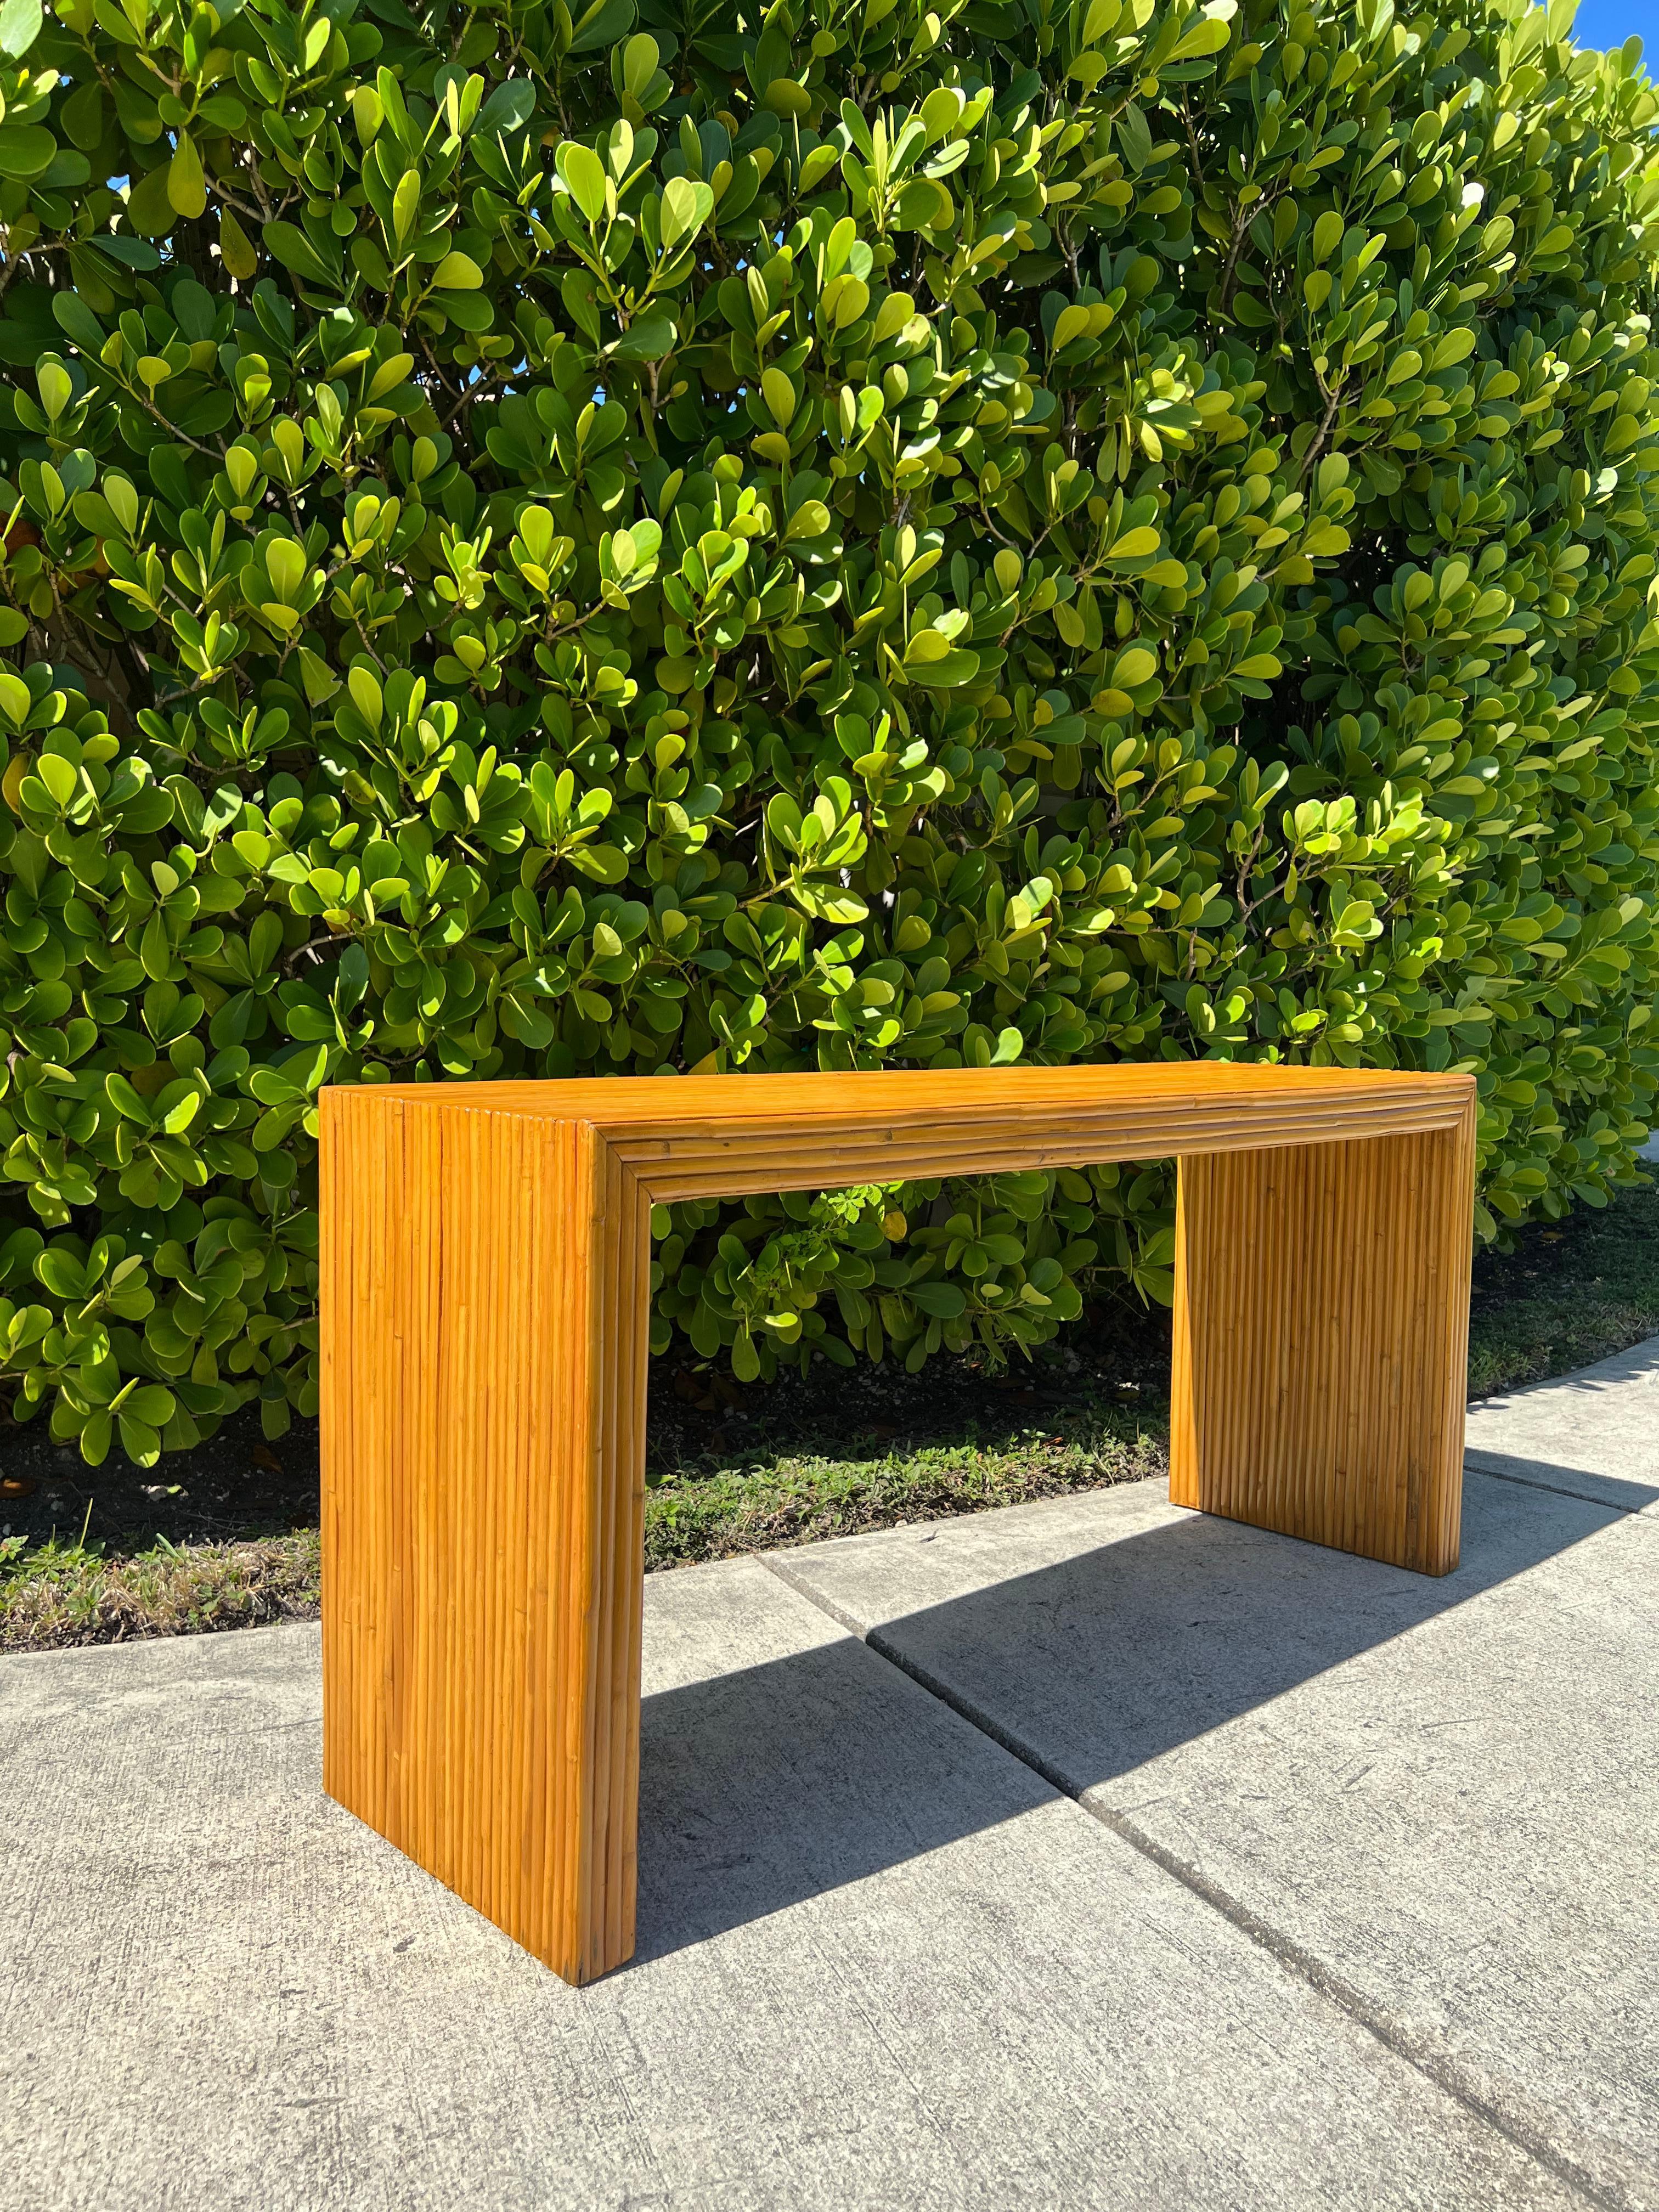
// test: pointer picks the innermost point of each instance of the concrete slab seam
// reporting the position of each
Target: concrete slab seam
(964, 1707)
(1339, 1991)
(1324, 1980)
(1478, 1462)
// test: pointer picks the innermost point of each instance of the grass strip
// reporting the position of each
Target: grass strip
(828, 1455)
(801, 1500)
(55, 1596)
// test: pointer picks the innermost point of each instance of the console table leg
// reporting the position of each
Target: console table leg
(1320, 1341)
(485, 1280)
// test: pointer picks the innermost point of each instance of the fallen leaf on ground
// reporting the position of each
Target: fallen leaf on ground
(264, 1456)
(16, 1486)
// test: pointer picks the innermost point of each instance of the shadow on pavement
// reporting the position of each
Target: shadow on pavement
(768, 1786)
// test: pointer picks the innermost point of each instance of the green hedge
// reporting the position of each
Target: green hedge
(857, 536)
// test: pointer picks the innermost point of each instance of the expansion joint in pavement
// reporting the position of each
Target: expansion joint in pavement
(1482, 1465)
(1334, 1987)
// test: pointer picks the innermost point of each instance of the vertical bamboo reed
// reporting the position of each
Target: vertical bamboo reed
(1321, 1342)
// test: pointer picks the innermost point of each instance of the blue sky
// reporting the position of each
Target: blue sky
(1610, 22)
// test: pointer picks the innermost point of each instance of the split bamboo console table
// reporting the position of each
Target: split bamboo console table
(485, 1277)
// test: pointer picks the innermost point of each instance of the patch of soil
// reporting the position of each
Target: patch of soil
(1591, 1246)
(233, 1488)
(237, 1488)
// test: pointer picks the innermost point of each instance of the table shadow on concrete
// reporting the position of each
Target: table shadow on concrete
(1188, 1624)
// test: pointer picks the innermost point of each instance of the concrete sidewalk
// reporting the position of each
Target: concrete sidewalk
(1091, 1853)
